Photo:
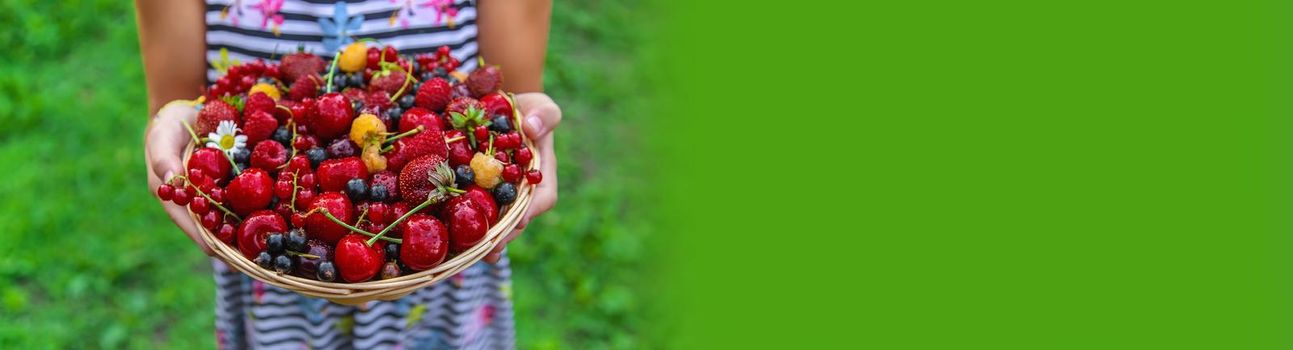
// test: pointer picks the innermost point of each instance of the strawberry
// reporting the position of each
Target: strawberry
(249, 191)
(485, 80)
(301, 64)
(259, 125)
(319, 226)
(356, 260)
(434, 95)
(425, 177)
(460, 152)
(483, 200)
(461, 105)
(214, 112)
(415, 146)
(305, 88)
(269, 155)
(259, 101)
(389, 81)
(334, 116)
(334, 173)
(254, 229)
(495, 104)
(467, 223)
(426, 242)
(211, 162)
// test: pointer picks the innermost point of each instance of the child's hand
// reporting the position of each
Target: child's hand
(164, 142)
(540, 117)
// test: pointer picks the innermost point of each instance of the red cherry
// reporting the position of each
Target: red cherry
(482, 134)
(199, 206)
(356, 261)
(399, 209)
(254, 229)
(495, 104)
(467, 223)
(181, 197)
(250, 191)
(226, 233)
(534, 177)
(165, 192)
(335, 173)
(210, 161)
(379, 213)
(511, 173)
(374, 57)
(522, 156)
(483, 201)
(426, 242)
(334, 116)
(318, 225)
(211, 220)
(460, 153)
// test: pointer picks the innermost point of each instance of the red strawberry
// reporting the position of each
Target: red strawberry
(334, 173)
(391, 82)
(483, 200)
(268, 155)
(429, 141)
(426, 242)
(390, 180)
(334, 116)
(259, 101)
(211, 162)
(434, 94)
(319, 226)
(418, 116)
(214, 112)
(495, 104)
(356, 261)
(254, 229)
(305, 88)
(467, 223)
(461, 104)
(418, 179)
(250, 191)
(301, 64)
(258, 126)
(485, 80)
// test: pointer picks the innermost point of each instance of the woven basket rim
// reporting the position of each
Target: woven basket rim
(354, 293)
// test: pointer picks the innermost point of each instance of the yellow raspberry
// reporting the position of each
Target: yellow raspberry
(488, 170)
(354, 58)
(367, 129)
(373, 158)
(270, 90)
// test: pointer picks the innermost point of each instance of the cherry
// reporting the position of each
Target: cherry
(283, 188)
(250, 191)
(166, 192)
(534, 177)
(482, 134)
(334, 174)
(306, 181)
(483, 200)
(210, 161)
(426, 242)
(303, 200)
(467, 224)
(318, 225)
(304, 142)
(460, 153)
(356, 260)
(298, 219)
(254, 229)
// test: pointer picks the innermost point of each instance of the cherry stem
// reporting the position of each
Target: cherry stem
(429, 201)
(404, 134)
(358, 230)
(303, 255)
(236, 170)
(408, 78)
(454, 139)
(333, 69)
(294, 187)
(196, 140)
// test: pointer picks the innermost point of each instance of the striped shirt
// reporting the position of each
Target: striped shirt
(470, 310)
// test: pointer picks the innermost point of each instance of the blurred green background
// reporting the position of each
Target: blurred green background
(88, 260)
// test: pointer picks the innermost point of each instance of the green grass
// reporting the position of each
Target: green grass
(88, 259)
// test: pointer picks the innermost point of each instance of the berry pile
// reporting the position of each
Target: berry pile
(371, 165)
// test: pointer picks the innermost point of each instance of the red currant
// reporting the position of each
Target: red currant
(165, 192)
(374, 57)
(501, 156)
(211, 220)
(523, 156)
(304, 142)
(482, 134)
(511, 173)
(199, 205)
(226, 233)
(182, 197)
(534, 177)
(389, 54)
(298, 219)
(306, 181)
(217, 195)
(303, 199)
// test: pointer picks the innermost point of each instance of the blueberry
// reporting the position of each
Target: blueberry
(394, 115)
(358, 105)
(427, 76)
(355, 79)
(242, 155)
(283, 264)
(356, 189)
(316, 155)
(501, 123)
(283, 136)
(463, 176)
(296, 240)
(264, 260)
(265, 80)
(378, 193)
(505, 193)
(273, 201)
(244, 165)
(341, 148)
(406, 101)
(327, 272)
(440, 72)
(274, 243)
(339, 81)
(392, 251)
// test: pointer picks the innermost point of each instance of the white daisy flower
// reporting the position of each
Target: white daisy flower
(226, 138)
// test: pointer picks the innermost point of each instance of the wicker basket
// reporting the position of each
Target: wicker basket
(389, 289)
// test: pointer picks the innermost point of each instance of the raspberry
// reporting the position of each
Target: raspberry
(268, 155)
(259, 126)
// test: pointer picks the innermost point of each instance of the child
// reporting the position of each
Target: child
(182, 41)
